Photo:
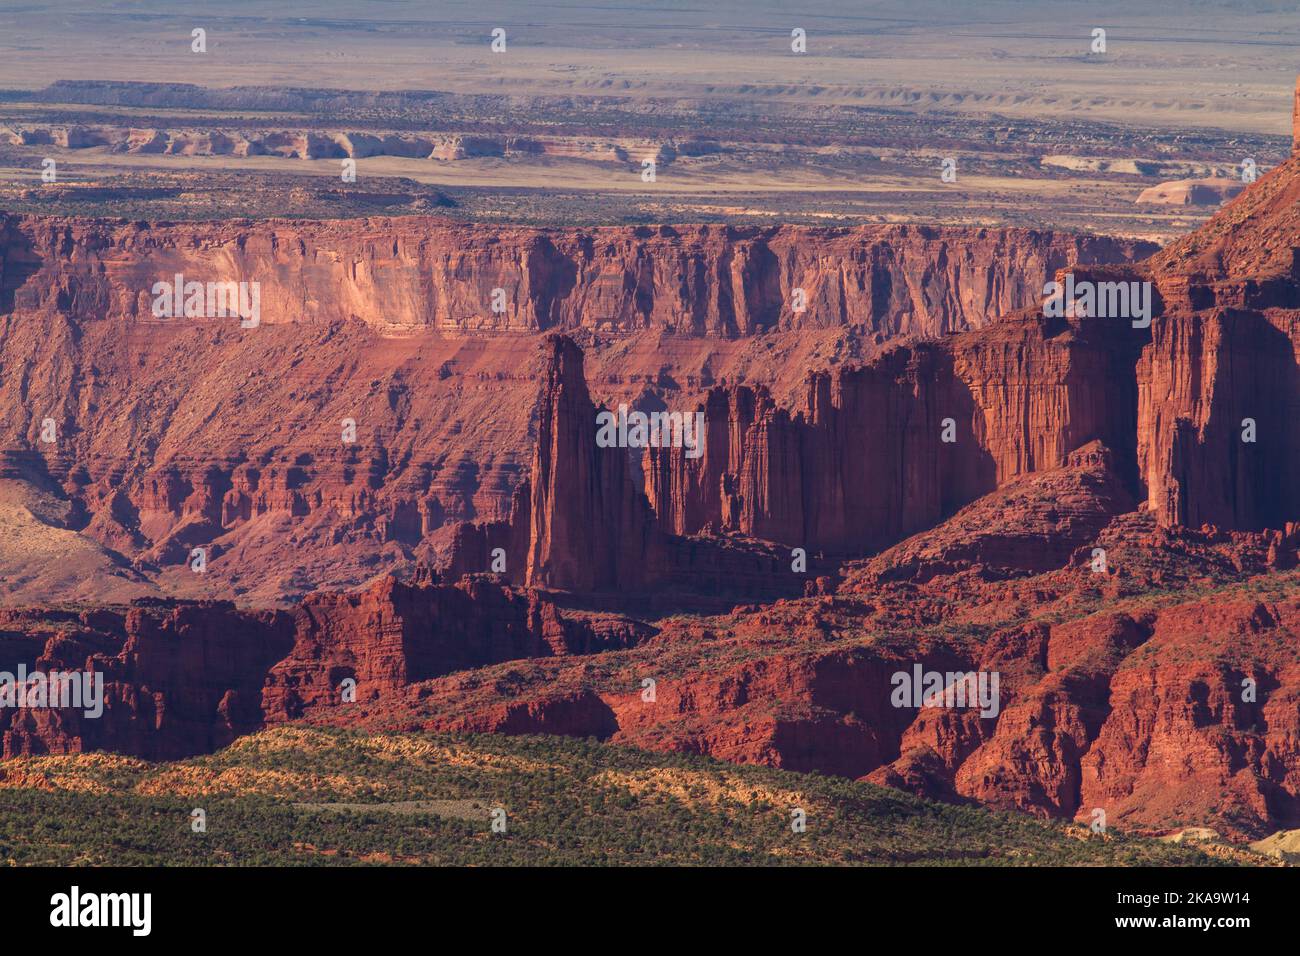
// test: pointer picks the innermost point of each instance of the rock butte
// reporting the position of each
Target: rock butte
(1192, 192)
(1122, 689)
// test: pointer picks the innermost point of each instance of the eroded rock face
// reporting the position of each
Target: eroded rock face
(177, 680)
(1205, 725)
(882, 451)
(581, 523)
(589, 527)
(182, 679)
(418, 273)
(394, 634)
(181, 433)
(1219, 440)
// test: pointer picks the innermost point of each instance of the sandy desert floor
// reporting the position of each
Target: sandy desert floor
(1176, 63)
(852, 130)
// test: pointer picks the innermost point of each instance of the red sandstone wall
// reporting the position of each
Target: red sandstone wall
(415, 273)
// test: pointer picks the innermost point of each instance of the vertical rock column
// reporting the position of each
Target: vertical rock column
(590, 528)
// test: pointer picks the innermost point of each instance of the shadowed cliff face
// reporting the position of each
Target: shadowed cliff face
(1221, 366)
(190, 678)
(589, 527)
(884, 450)
(179, 433)
(1202, 409)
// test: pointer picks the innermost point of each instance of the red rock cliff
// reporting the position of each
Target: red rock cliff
(1218, 433)
(580, 522)
(418, 273)
(183, 433)
(190, 678)
(887, 449)
(589, 526)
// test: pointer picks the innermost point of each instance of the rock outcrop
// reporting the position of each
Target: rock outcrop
(589, 527)
(1032, 524)
(881, 451)
(177, 679)
(190, 677)
(337, 144)
(580, 522)
(416, 273)
(1218, 440)
(1211, 191)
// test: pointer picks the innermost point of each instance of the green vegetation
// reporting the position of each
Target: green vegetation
(267, 801)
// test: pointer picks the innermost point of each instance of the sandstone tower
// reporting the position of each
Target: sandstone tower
(1295, 120)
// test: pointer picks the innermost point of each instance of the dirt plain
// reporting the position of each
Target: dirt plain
(1041, 130)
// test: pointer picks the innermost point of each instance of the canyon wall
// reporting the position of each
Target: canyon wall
(175, 434)
(886, 449)
(581, 522)
(321, 144)
(418, 273)
(1202, 412)
(187, 678)
(1219, 396)
(1202, 409)
(1220, 443)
